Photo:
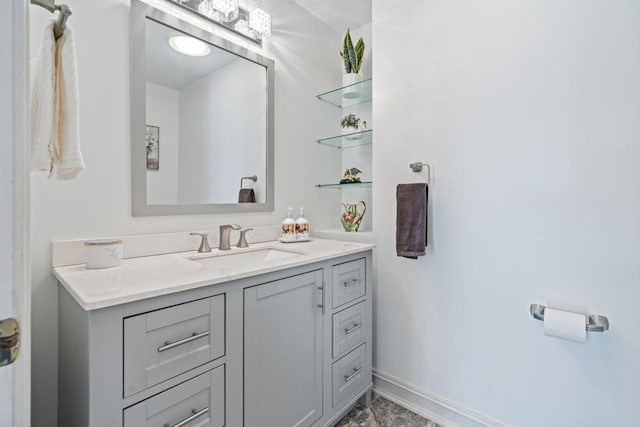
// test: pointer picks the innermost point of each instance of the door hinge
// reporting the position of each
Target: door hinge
(9, 341)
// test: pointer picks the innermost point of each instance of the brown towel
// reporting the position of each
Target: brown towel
(411, 219)
(247, 195)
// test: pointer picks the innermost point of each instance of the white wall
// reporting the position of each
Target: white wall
(216, 108)
(528, 112)
(163, 111)
(98, 202)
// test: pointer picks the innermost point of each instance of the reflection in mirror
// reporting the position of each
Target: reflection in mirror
(209, 106)
(205, 124)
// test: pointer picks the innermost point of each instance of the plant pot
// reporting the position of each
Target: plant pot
(350, 91)
(350, 134)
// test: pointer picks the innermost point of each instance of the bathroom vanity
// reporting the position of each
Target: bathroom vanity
(273, 335)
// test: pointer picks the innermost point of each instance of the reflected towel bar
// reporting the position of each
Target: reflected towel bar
(51, 6)
(595, 322)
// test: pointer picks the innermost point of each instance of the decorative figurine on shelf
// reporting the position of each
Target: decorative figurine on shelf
(351, 126)
(351, 176)
(351, 218)
(350, 122)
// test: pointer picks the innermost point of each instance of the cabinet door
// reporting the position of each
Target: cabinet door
(283, 352)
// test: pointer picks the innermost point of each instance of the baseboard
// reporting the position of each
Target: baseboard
(428, 405)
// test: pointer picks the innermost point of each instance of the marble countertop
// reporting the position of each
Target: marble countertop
(146, 277)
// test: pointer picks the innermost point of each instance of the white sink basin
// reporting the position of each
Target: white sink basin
(246, 257)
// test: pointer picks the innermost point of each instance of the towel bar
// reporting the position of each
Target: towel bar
(51, 6)
(595, 322)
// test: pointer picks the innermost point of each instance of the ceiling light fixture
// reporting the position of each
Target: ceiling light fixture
(189, 46)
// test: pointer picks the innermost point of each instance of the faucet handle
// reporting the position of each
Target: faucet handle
(242, 241)
(204, 244)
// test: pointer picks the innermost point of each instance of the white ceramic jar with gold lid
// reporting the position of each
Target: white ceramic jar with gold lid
(103, 253)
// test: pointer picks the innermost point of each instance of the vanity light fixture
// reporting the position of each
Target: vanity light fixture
(260, 21)
(205, 7)
(228, 9)
(242, 26)
(189, 46)
(253, 20)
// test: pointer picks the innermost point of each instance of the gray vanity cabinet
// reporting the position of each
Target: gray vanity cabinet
(290, 347)
(283, 352)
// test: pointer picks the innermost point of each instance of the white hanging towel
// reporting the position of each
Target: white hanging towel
(55, 144)
(42, 93)
(67, 158)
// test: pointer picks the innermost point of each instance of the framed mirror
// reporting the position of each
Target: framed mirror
(201, 120)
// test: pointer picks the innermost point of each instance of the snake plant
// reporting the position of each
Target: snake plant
(352, 56)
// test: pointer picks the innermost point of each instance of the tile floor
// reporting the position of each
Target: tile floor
(383, 413)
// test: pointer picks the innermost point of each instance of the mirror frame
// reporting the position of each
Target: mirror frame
(139, 13)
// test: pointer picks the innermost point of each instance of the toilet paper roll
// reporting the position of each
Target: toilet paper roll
(565, 325)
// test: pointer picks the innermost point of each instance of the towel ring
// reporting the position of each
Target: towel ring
(417, 167)
(253, 178)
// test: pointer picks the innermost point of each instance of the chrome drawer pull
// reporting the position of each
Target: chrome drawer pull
(355, 326)
(349, 377)
(323, 302)
(169, 345)
(190, 418)
(352, 282)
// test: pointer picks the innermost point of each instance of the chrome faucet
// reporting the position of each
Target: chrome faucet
(225, 236)
(204, 243)
(242, 241)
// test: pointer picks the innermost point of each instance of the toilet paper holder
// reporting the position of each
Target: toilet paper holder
(595, 322)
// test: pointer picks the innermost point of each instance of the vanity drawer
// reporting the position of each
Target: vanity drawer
(348, 282)
(164, 343)
(197, 402)
(349, 375)
(349, 328)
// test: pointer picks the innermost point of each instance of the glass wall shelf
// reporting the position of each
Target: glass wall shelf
(363, 184)
(355, 139)
(357, 93)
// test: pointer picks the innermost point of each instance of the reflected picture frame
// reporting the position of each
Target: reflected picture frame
(152, 142)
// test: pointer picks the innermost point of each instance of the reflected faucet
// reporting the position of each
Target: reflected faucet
(225, 236)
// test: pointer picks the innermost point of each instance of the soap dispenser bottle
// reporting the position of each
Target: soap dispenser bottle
(302, 226)
(289, 228)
